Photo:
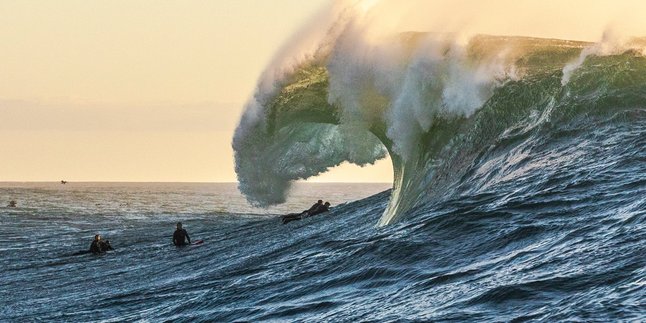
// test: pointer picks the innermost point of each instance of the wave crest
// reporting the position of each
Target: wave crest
(434, 102)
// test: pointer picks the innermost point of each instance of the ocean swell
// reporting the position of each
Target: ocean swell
(438, 105)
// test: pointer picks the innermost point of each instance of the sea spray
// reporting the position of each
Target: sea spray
(611, 43)
(433, 101)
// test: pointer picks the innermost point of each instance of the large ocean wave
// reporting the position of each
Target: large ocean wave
(441, 106)
(520, 184)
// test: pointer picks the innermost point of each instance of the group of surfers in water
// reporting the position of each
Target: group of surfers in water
(181, 237)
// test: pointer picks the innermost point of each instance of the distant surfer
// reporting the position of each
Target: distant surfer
(180, 237)
(294, 216)
(321, 209)
(99, 246)
(317, 208)
(12, 203)
(63, 182)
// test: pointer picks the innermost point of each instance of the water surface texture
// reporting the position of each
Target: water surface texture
(569, 246)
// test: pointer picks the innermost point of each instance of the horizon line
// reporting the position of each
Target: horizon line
(183, 182)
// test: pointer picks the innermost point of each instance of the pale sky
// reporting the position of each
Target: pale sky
(138, 90)
(149, 90)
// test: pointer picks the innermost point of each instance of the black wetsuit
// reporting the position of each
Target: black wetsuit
(100, 246)
(313, 208)
(319, 210)
(180, 237)
(297, 216)
(94, 247)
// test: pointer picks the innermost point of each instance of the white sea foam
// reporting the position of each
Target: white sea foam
(379, 82)
(374, 79)
(612, 43)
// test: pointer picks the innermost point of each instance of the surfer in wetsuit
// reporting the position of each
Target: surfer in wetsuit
(312, 209)
(181, 236)
(100, 246)
(12, 203)
(321, 209)
(297, 216)
(317, 208)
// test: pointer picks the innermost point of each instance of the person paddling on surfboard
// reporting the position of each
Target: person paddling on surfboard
(180, 236)
(317, 208)
(297, 216)
(321, 209)
(99, 246)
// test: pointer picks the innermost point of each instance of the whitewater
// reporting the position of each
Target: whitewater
(437, 104)
(519, 166)
(519, 193)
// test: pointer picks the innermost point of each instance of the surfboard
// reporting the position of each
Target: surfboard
(196, 242)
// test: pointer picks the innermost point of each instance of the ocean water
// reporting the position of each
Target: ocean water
(146, 277)
(569, 249)
(519, 189)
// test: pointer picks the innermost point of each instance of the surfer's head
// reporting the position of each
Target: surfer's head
(320, 202)
(327, 203)
(179, 225)
(97, 237)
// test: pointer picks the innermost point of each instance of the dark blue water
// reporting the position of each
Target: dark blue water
(557, 235)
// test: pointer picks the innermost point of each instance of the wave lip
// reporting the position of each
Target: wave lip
(431, 102)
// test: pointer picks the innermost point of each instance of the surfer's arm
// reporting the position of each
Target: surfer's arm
(188, 238)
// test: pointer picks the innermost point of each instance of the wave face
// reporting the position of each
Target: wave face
(442, 110)
(566, 245)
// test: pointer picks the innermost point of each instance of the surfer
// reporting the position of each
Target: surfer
(180, 237)
(317, 208)
(99, 246)
(321, 209)
(298, 216)
(12, 203)
(314, 207)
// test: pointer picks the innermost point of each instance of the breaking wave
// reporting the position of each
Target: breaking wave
(441, 106)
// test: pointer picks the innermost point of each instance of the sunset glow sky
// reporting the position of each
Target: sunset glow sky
(152, 90)
(131, 90)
